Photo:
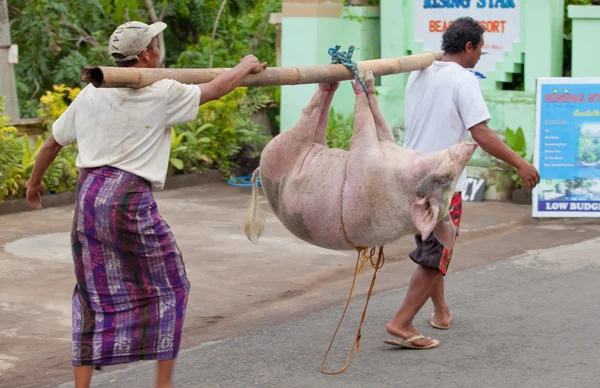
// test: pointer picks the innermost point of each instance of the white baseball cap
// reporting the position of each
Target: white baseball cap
(131, 38)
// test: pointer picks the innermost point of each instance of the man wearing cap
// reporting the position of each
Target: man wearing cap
(131, 289)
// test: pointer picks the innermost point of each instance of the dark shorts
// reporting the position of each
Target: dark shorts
(432, 253)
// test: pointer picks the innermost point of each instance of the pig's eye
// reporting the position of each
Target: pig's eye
(443, 181)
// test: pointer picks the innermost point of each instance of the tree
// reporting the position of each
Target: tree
(57, 38)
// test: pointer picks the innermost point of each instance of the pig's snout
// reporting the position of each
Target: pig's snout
(461, 153)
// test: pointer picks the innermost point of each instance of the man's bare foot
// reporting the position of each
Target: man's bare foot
(407, 332)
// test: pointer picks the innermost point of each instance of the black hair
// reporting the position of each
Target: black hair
(461, 31)
(132, 62)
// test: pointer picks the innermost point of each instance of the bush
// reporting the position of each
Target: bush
(17, 156)
(339, 130)
(223, 137)
(222, 128)
(10, 155)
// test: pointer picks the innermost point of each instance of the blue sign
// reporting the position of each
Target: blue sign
(567, 152)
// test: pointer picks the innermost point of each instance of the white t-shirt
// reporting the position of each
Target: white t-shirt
(129, 129)
(442, 102)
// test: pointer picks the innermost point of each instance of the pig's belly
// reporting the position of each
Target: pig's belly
(309, 203)
(375, 212)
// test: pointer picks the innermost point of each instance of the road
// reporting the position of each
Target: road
(238, 288)
(528, 322)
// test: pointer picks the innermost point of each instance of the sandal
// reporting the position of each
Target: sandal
(408, 343)
(433, 323)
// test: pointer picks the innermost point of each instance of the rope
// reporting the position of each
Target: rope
(362, 258)
(243, 181)
(345, 58)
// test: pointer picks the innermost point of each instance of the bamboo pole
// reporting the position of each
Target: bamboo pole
(133, 77)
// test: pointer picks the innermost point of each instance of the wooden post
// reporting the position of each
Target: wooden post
(8, 87)
(133, 77)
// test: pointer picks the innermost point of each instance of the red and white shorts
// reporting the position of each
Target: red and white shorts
(432, 253)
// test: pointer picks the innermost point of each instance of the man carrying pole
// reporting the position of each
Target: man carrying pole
(130, 298)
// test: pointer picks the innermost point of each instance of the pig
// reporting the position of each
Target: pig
(366, 197)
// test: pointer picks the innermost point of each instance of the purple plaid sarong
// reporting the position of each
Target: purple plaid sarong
(131, 294)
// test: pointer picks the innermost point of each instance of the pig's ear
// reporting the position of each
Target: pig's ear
(424, 215)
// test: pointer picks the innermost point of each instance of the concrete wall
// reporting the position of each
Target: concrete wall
(538, 54)
(585, 34)
(306, 40)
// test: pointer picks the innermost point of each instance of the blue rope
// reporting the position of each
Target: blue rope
(345, 58)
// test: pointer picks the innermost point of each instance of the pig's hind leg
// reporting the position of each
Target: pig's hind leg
(383, 131)
(364, 123)
(321, 132)
(305, 129)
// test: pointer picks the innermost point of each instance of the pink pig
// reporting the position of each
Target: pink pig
(366, 197)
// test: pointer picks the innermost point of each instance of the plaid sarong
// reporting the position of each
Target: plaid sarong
(130, 299)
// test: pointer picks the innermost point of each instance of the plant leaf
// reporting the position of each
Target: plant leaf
(177, 163)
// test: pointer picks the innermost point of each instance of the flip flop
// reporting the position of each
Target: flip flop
(408, 343)
(433, 323)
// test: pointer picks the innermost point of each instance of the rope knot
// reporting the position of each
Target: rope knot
(345, 58)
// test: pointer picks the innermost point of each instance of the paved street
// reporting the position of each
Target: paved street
(527, 322)
(239, 288)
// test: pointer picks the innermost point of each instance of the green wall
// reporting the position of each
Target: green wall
(306, 42)
(388, 32)
(585, 35)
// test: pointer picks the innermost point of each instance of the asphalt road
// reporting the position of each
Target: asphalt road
(530, 321)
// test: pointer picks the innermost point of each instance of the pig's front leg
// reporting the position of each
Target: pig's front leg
(364, 134)
(383, 131)
(321, 132)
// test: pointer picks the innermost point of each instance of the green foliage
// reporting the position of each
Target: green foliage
(62, 174)
(58, 37)
(238, 35)
(515, 140)
(55, 41)
(218, 134)
(18, 154)
(54, 103)
(10, 156)
(339, 130)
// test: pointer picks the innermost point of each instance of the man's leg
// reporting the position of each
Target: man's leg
(164, 377)
(83, 376)
(442, 315)
(420, 288)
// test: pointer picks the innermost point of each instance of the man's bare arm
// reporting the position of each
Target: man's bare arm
(35, 185)
(491, 143)
(231, 79)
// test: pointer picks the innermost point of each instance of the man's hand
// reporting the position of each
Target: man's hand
(34, 195)
(35, 186)
(253, 64)
(529, 175)
(231, 79)
(491, 144)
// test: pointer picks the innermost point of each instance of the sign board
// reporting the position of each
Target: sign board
(500, 18)
(475, 190)
(567, 148)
